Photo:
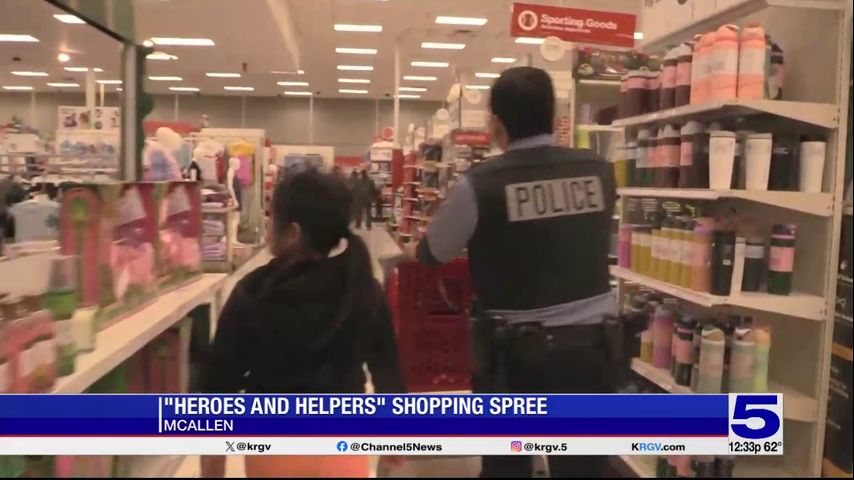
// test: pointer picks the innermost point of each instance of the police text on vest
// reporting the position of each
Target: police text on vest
(554, 198)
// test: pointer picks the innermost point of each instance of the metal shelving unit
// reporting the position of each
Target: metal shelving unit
(802, 322)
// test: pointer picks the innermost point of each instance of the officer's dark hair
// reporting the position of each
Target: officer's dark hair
(524, 100)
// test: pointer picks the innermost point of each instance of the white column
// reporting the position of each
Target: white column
(101, 93)
(130, 162)
(243, 111)
(311, 120)
(90, 90)
(175, 109)
(396, 89)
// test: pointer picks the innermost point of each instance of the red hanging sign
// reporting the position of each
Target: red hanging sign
(573, 24)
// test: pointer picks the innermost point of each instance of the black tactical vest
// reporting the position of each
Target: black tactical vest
(544, 228)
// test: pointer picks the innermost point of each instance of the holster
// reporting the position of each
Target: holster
(489, 336)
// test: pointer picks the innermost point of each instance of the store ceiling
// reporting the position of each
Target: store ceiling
(277, 35)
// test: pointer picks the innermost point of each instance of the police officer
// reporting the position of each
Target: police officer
(536, 221)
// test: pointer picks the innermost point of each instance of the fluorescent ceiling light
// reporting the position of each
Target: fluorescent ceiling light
(120, 89)
(411, 89)
(222, 75)
(293, 84)
(503, 60)
(282, 72)
(164, 78)
(471, 21)
(184, 42)
(10, 37)
(354, 80)
(161, 56)
(408, 96)
(239, 89)
(23, 73)
(109, 82)
(443, 45)
(356, 68)
(63, 57)
(350, 90)
(66, 18)
(347, 27)
(356, 51)
(419, 78)
(63, 84)
(430, 64)
(486, 75)
(17, 88)
(83, 69)
(530, 40)
(184, 89)
(294, 93)
(477, 87)
(638, 35)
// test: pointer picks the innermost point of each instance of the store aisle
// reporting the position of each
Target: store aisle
(380, 244)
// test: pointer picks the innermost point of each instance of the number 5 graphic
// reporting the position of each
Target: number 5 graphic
(743, 412)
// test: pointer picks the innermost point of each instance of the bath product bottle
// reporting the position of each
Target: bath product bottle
(668, 79)
(646, 346)
(754, 265)
(631, 154)
(742, 361)
(701, 262)
(762, 336)
(687, 167)
(686, 255)
(684, 350)
(781, 259)
(701, 74)
(624, 246)
(751, 63)
(653, 92)
(669, 150)
(664, 250)
(685, 54)
(711, 363)
(723, 259)
(696, 341)
(645, 242)
(643, 149)
(775, 79)
(783, 164)
(723, 82)
(724, 466)
(728, 327)
(662, 336)
(674, 266)
(661, 467)
(655, 248)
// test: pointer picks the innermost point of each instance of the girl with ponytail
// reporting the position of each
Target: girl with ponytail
(307, 321)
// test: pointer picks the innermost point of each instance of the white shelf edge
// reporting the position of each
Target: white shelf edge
(599, 82)
(592, 127)
(824, 115)
(796, 405)
(819, 204)
(118, 342)
(801, 305)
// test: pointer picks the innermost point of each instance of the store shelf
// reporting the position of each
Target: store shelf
(796, 405)
(599, 83)
(723, 16)
(598, 128)
(821, 114)
(801, 305)
(118, 342)
(820, 204)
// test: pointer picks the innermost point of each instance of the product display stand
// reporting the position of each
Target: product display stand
(816, 99)
(222, 259)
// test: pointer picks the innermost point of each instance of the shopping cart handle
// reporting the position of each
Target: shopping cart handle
(390, 262)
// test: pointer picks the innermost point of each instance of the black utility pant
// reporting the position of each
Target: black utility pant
(361, 212)
(546, 360)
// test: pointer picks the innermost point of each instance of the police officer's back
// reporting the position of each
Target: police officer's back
(536, 222)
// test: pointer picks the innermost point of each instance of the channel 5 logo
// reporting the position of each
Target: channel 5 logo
(756, 417)
(516, 446)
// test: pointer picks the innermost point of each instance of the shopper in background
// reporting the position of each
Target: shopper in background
(364, 193)
(307, 321)
(536, 221)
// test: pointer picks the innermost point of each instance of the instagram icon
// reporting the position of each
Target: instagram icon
(516, 446)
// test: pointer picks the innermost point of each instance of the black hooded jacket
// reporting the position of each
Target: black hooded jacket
(304, 328)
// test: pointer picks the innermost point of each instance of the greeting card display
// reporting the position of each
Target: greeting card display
(180, 228)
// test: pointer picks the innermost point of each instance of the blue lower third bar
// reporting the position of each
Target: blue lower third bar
(362, 415)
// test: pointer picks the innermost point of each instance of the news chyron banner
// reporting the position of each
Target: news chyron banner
(735, 424)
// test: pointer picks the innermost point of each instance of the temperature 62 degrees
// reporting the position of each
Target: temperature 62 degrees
(756, 420)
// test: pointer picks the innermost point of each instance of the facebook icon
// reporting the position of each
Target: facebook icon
(342, 446)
